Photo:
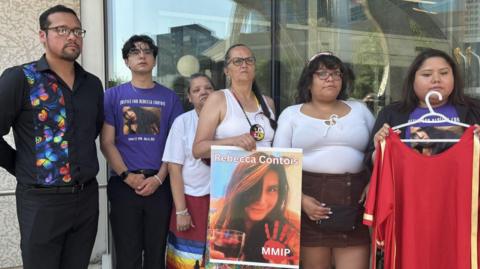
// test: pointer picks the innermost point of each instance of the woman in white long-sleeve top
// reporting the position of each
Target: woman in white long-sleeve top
(333, 134)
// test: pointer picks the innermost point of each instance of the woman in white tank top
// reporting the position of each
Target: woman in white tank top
(239, 116)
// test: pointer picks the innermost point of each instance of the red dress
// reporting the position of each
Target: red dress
(424, 209)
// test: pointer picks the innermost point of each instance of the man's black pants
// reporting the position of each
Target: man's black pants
(139, 225)
(58, 226)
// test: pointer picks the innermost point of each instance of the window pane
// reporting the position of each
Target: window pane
(191, 38)
(378, 40)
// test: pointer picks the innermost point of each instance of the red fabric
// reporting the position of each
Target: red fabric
(421, 205)
(198, 208)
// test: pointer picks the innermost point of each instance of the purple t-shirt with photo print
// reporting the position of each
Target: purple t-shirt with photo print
(433, 128)
(447, 110)
(142, 119)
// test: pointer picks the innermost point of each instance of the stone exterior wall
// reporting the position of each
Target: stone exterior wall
(18, 44)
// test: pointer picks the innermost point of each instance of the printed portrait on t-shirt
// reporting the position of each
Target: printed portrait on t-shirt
(434, 127)
(437, 132)
(141, 120)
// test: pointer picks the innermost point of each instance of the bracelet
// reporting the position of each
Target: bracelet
(183, 212)
(158, 179)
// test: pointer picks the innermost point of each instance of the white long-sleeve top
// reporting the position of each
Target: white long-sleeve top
(334, 149)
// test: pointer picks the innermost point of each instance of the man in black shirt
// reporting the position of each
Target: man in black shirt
(55, 109)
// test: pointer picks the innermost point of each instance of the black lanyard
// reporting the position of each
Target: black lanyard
(243, 110)
(256, 130)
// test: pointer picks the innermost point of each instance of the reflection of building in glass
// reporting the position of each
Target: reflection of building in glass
(357, 13)
(378, 39)
(296, 12)
(472, 47)
(340, 14)
(183, 40)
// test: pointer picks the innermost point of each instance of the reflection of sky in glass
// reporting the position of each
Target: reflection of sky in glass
(153, 17)
(439, 6)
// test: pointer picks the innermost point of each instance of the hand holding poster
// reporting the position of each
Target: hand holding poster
(255, 205)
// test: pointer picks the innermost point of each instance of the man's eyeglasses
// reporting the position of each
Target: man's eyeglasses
(323, 75)
(239, 61)
(137, 51)
(65, 31)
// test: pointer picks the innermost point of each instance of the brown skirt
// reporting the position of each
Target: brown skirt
(338, 189)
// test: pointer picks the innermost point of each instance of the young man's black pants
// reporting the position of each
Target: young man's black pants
(139, 225)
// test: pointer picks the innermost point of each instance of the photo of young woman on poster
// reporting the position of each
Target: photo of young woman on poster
(252, 222)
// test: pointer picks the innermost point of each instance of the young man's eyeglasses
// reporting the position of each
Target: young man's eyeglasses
(239, 61)
(137, 51)
(323, 75)
(65, 31)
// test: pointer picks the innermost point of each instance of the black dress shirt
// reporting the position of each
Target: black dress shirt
(84, 119)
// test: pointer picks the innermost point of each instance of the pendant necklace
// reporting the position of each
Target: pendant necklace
(256, 130)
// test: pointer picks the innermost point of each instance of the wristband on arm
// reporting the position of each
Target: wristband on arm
(183, 212)
(158, 179)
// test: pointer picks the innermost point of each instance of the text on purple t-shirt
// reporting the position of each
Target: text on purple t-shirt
(142, 119)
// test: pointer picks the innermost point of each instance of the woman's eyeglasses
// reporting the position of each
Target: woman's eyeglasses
(238, 61)
(323, 75)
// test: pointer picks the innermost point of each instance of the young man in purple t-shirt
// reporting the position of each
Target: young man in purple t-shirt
(138, 116)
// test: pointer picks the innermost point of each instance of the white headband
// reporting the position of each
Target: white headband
(329, 53)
